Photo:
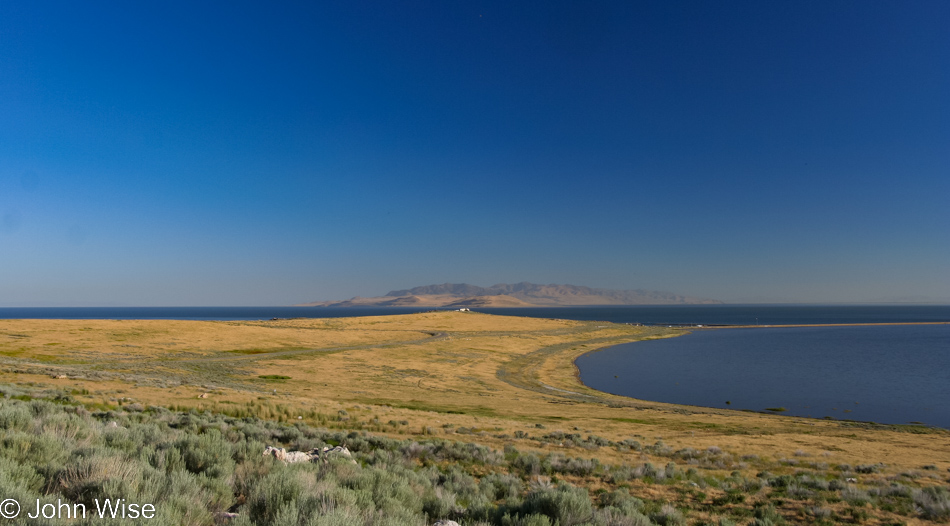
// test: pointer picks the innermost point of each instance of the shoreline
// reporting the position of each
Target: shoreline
(669, 316)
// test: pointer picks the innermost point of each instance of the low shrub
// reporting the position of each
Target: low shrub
(767, 515)
(668, 516)
(932, 503)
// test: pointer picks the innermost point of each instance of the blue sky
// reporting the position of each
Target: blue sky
(245, 154)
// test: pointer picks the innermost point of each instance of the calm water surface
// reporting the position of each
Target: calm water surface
(193, 313)
(740, 314)
(890, 374)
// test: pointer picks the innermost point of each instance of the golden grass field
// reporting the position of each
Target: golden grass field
(427, 373)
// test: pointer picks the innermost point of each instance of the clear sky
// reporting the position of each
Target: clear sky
(198, 153)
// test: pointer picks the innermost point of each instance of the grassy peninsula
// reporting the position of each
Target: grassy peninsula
(406, 394)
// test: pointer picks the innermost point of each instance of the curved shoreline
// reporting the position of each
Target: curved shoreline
(702, 408)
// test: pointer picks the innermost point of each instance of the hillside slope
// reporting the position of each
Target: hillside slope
(522, 294)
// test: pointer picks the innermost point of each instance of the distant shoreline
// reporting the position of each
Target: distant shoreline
(689, 317)
(774, 325)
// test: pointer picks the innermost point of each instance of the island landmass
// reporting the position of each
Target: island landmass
(524, 294)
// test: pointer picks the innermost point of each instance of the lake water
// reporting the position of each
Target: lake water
(193, 313)
(894, 374)
(740, 314)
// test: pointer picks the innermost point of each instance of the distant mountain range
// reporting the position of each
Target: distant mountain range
(524, 294)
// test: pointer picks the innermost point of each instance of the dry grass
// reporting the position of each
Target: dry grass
(437, 371)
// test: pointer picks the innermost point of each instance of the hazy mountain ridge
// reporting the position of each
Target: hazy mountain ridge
(522, 294)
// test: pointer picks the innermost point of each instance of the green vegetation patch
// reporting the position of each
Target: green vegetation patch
(632, 421)
(274, 377)
(419, 405)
